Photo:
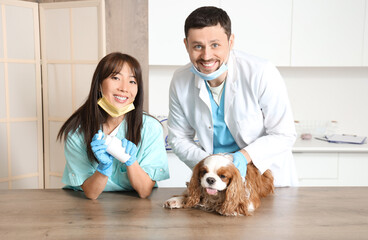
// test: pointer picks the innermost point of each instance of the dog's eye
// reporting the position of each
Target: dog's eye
(222, 176)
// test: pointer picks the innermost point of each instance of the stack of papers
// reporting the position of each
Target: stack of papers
(343, 138)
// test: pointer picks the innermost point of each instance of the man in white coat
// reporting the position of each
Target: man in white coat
(233, 102)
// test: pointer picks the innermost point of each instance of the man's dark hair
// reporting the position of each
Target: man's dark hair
(208, 17)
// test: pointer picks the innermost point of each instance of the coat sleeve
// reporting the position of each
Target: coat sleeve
(279, 125)
(180, 132)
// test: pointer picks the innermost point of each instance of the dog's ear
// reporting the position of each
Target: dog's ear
(235, 196)
(194, 187)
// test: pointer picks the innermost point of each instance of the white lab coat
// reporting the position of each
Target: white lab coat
(257, 113)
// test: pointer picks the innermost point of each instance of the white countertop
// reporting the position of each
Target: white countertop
(315, 145)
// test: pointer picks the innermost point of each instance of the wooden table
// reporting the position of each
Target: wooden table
(291, 213)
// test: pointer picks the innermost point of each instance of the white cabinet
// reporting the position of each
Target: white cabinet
(317, 164)
(287, 32)
(365, 53)
(353, 169)
(332, 169)
(321, 163)
(327, 33)
(166, 29)
(179, 173)
(262, 28)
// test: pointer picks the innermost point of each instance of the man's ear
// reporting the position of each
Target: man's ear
(186, 44)
(231, 41)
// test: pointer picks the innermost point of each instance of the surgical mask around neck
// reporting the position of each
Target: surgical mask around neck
(210, 76)
(112, 110)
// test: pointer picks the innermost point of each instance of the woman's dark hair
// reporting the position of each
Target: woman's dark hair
(207, 17)
(88, 119)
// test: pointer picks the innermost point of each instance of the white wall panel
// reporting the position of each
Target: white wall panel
(25, 183)
(23, 148)
(2, 92)
(4, 185)
(56, 149)
(73, 36)
(57, 34)
(55, 182)
(85, 36)
(59, 90)
(327, 94)
(160, 78)
(1, 36)
(83, 78)
(20, 39)
(3, 151)
(20, 81)
(22, 90)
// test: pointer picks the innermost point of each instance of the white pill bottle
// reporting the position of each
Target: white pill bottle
(115, 148)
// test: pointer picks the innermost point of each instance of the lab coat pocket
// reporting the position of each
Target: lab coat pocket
(251, 127)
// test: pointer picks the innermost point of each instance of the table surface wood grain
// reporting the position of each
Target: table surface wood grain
(290, 213)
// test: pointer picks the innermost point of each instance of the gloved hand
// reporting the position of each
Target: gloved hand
(99, 150)
(240, 163)
(131, 149)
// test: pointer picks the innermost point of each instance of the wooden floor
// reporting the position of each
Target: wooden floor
(291, 213)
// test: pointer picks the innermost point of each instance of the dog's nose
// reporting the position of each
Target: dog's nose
(211, 180)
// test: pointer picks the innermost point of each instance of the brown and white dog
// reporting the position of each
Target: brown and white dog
(216, 185)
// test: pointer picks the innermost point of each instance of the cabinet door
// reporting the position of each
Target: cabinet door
(166, 29)
(365, 57)
(353, 169)
(327, 33)
(262, 28)
(317, 169)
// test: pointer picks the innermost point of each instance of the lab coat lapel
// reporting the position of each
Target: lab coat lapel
(203, 93)
(231, 86)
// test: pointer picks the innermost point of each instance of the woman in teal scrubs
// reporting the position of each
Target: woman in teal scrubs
(114, 107)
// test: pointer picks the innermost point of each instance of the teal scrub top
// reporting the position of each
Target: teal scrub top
(223, 141)
(151, 156)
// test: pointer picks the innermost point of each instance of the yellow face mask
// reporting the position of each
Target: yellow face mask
(112, 110)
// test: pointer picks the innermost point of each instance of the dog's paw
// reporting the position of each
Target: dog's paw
(174, 202)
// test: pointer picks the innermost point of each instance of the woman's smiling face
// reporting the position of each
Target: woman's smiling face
(120, 89)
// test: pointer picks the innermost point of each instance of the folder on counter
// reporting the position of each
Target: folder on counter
(344, 138)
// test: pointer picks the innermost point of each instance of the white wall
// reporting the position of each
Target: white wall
(316, 94)
(330, 94)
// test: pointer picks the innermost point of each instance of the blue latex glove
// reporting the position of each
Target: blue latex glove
(240, 163)
(131, 149)
(99, 150)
